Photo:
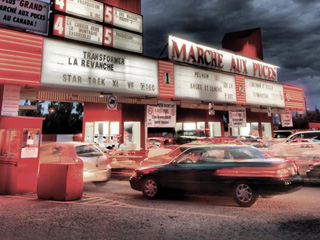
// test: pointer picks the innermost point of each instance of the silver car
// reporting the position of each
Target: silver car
(96, 167)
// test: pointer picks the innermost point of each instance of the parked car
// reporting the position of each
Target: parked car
(303, 152)
(160, 142)
(123, 162)
(241, 171)
(187, 136)
(314, 172)
(300, 136)
(281, 135)
(169, 156)
(96, 167)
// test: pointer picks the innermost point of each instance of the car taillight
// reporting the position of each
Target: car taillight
(108, 160)
(77, 160)
(282, 173)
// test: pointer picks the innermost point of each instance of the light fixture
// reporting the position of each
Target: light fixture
(103, 94)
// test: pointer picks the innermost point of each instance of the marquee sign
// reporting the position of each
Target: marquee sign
(97, 11)
(264, 93)
(123, 19)
(194, 83)
(77, 66)
(89, 9)
(192, 53)
(85, 31)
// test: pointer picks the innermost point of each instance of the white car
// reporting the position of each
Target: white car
(96, 167)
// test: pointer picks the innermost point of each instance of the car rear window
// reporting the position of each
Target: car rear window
(88, 150)
(247, 153)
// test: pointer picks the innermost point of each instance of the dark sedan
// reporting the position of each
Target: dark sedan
(314, 172)
(241, 171)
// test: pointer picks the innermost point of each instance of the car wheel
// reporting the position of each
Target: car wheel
(244, 195)
(150, 188)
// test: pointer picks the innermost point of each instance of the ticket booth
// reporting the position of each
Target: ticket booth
(19, 154)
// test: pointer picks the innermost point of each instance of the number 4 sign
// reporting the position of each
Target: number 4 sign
(59, 25)
(60, 5)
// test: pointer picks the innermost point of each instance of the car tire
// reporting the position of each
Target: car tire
(100, 184)
(244, 195)
(150, 188)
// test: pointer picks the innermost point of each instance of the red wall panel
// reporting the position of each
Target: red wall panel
(99, 112)
(129, 5)
(20, 58)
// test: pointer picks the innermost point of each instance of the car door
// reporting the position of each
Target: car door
(182, 173)
(214, 161)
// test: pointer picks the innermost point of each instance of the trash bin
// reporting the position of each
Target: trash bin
(60, 181)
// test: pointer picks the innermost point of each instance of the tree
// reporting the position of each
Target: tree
(63, 118)
(32, 113)
(60, 117)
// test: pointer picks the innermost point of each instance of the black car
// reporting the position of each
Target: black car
(241, 171)
(314, 172)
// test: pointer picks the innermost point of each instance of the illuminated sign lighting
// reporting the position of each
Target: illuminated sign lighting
(78, 66)
(192, 53)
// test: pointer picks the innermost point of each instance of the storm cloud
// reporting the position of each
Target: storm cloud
(290, 32)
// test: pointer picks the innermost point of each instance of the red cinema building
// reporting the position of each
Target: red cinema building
(92, 52)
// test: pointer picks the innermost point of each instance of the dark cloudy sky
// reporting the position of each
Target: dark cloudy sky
(290, 32)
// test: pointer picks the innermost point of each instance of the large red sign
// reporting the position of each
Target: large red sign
(293, 98)
(21, 59)
(166, 79)
(241, 89)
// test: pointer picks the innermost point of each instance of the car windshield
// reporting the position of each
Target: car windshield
(88, 150)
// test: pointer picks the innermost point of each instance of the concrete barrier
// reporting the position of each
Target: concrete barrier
(60, 181)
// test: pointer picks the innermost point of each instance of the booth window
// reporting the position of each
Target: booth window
(9, 143)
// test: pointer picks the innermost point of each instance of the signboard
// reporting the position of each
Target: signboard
(68, 97)
(162, 115)
(76, 66)
(89, 9)
(211, 109)
(123, 19)
(30, 15)
(237, 118)
(112, 103)
(123, 40)
(76, 29)
(194, 83)
(10, 101)
(264, 93)
(194, 105)
(85, 31)
(30, 143)
(286, 119)
(192, 53)
(166, 79)
(241, 90)
(144, 101)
